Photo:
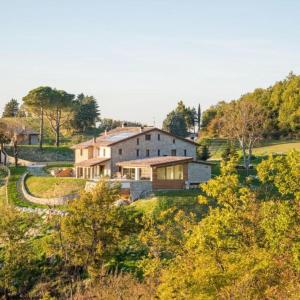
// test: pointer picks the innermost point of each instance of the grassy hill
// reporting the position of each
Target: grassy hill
(217, 146)
(47, 154)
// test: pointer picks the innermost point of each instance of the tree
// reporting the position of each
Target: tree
(59, 111)
(4, 139)
(86, 113)
(203, 152)
(244, 120)
(17, 272)
(229, 151)
(175, 123)
(9, 133)
(244, 248)
(11, 109)
(198, 119)
(92, 228)
(109, 124)
(37, 101)
(283, 172)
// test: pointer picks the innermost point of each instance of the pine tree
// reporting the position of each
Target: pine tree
(11, 109)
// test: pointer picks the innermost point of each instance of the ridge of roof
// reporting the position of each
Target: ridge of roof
(111, 137)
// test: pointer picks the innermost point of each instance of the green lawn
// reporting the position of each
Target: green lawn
(49, 187)
(276, 148)
(186, 200)
(14, 197)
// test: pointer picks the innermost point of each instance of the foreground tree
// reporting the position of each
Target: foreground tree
(244, 121)
(89, 234)
(36, 101)
(17, 271)
(244, 249)
(11, 109)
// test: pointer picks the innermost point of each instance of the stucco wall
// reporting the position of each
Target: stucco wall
(198, 172)
(165, 144)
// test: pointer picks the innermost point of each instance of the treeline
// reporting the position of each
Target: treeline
(238, 240)
(280, 105)
(60, 109)
(63, 112)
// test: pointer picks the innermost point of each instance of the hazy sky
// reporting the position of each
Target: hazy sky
(138, 58)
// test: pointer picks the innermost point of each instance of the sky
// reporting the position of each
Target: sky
(139, 58)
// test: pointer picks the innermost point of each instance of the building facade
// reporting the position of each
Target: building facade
(141, 154)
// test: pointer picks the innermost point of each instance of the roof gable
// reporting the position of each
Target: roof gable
(121, 134)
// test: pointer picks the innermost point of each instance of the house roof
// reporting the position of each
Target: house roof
(91, 162)
(155, 161)
(121, 134)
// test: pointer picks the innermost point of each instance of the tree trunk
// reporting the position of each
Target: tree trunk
(41, 128)
(250, 154)
(15, 143)
(243, 145)
(57, 128)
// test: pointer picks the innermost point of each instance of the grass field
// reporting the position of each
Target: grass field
(186, 200)
(217, 146)
(276, 148)
(48, 187)
(14, 197)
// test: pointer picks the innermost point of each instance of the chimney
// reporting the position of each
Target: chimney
(105, 132)
(141, 128)
(124, 124)
(94, 138)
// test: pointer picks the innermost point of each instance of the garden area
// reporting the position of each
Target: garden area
(50, 187)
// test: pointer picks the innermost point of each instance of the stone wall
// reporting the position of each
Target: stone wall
(45, 201)
(138, 188)
(165, 145)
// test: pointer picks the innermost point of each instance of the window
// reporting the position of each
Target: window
(128, 173)
(170, 173)
(158, 137)
(147, 152)
(158, 152)
(174, 141)
(148, 137)
(81, 152)
(137, 141)
(120, 151)
(137, 152)
(173, 152)
(104, 152)
(185, 152)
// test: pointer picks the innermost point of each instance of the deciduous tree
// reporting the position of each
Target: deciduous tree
(244, 121)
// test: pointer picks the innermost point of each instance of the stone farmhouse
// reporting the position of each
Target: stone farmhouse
(142, 159)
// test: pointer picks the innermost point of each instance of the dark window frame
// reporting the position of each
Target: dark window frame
(147, 152)
(147, 137)
(120, 151)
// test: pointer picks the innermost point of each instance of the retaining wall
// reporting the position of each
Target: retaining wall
(45, 201)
